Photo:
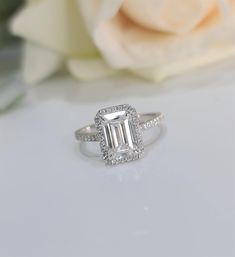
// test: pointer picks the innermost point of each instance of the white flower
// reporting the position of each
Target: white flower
(96, 38)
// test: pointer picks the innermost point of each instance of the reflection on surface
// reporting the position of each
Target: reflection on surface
(119, 88)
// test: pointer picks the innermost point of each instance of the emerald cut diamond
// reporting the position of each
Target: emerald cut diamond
(119, 133)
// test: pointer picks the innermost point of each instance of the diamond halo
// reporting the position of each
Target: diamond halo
(119, 133)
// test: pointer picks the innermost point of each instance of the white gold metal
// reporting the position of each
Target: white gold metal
(118, 129)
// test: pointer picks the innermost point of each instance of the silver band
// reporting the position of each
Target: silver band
(147, 121)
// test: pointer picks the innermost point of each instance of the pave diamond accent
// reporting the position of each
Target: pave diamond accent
(119, 133)
(87, 138)
(152, 123)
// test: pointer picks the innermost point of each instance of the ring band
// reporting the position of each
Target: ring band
(147, 121)
(118, 129)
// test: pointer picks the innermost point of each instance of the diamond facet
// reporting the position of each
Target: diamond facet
(119, 131)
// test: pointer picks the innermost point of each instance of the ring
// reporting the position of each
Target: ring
(118, 129)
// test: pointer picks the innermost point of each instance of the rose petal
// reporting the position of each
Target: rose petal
(125, 44)
(55, 24)
(90, 69)
(168, 15)
(104, 29)
(39, 63)
(159, 73)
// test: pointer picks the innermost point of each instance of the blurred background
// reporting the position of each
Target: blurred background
(9, 56)
(7, 8)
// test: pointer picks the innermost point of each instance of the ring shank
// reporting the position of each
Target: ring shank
(147, 121)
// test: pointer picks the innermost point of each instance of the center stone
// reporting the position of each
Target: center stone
(118, 131)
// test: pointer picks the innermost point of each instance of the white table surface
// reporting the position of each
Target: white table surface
(176, 202)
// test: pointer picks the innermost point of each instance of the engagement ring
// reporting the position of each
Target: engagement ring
(118, 130)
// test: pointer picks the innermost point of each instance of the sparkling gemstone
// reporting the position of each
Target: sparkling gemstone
(119, 131)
